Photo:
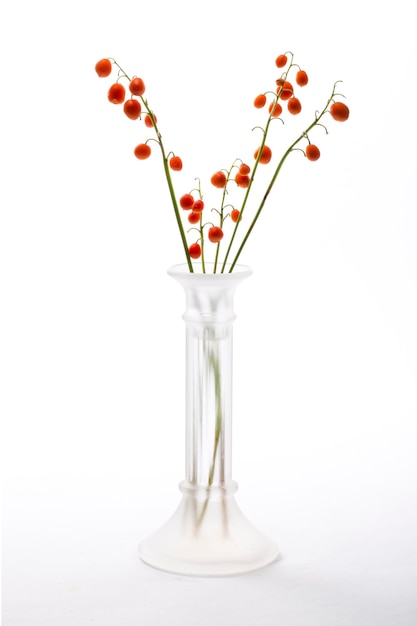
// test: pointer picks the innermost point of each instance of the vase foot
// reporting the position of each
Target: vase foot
(208, 535)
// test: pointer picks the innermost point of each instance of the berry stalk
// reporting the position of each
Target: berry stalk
(255, 166)
(166, 170)
(244, 177)
(275, 176)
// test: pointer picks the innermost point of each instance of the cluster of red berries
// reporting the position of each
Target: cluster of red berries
(285, 92)
(195, 207)
(134, 106)
(133, 109)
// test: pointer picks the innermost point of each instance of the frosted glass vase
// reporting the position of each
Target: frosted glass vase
(208, 535)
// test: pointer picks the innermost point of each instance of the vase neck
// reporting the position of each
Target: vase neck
(209, 297)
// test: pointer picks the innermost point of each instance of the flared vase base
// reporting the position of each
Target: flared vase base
(208, 537)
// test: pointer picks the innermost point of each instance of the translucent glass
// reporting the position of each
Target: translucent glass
(208, 535)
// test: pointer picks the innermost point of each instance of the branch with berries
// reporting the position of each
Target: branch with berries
(189, 207)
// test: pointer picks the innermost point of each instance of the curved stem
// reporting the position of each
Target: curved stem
(222, 207)
(246, 196)
(174, 203)
(167, 175)
(274, 177)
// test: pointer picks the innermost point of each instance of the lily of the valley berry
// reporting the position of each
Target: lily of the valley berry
(203, 231)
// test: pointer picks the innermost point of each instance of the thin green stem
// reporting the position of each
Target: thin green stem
(221, 212)
(219, 413)
(252, 178)
(174, 202)
(203, 263)
(214, 362)
(274, 177)
(167, 174)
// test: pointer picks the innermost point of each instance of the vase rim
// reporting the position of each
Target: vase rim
(182, 270)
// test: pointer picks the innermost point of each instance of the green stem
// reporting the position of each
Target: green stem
(203, 263)
(255, 167)
(214, 362)
(274, 177)
(246, 196)
(216, 258)
(167, 176)
(170, 187)
(219, 414)
(174, 203)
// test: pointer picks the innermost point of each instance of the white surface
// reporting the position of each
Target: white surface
(92, 342)
(349, 555)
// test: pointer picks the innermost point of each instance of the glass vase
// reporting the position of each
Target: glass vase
(208, 535)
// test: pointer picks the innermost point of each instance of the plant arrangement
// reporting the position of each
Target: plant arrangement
(208, 534)
(210, 233)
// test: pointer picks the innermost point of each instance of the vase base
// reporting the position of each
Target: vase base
(208, 535)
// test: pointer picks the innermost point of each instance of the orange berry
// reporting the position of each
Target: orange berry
(339, 111)
(281, 60)
(219, 180)
(148, 120)
(260, 101)
(132, 108)
(235, 215)
(175, 163)
(116, 93)
(142, 151)
(301, 78)
(193, 217)
(312, 152)
(103, 68)
(195, 251)
(137, 87)
(198, 206)
(242, 180)
(186, 202)
(266, 155)
(244, 169)
(215, 234)
(294, 106)
(275, 109)
(284, 89)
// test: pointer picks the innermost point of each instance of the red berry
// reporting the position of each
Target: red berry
(281, 60)
(339, 111)
(137, 87)
(132, 109)
(294, 106)
(215, 234)
(219, 180)
(193, 217)
(266, 154)
(186, 202)
(244, 169)
(312, 152)
(284, 89)
(103, 68)
(242, 180)
(142, 151)
(116, 93)
(195, 251)
(260, 101)
(235, 215)
(301, 78)
(175, 163)
(148, 120)
(275, 109)
(198, 206)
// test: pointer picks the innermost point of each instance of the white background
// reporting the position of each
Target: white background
(92, 354)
